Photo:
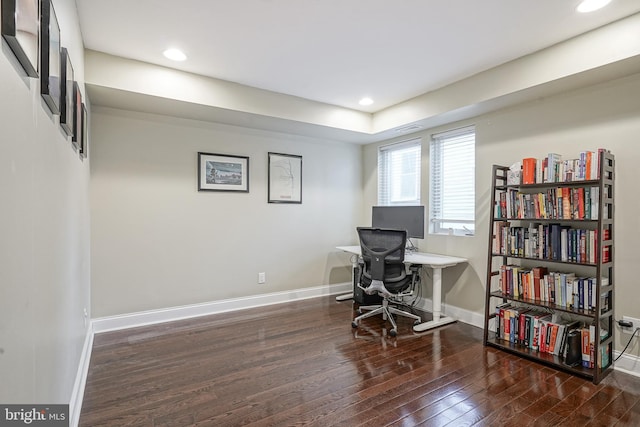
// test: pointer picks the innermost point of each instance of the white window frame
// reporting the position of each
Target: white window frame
(395, 180)
(452, 182)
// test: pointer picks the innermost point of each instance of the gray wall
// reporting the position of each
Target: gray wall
(602, 116)
(44, 229)
(157, 242)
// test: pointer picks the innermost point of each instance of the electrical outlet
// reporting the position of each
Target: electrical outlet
(262, 278)
(636, 324)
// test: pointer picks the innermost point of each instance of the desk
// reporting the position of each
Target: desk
(436, 262)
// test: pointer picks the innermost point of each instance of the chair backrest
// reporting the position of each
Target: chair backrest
(383, 251)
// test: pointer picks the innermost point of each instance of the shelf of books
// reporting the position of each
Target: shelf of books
(550, 269)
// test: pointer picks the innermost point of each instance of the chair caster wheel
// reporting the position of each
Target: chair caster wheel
(359, 311)
(354, 325)
(393, 332)
(416, 322)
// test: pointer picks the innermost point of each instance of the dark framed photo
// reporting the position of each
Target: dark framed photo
(21, 31)
(285, 178)
(84, 140)
(223, 172)
(50, 56)
(67, 100)
(77, 113)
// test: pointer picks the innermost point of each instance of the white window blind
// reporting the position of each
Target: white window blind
(452, 182)
(399, 173)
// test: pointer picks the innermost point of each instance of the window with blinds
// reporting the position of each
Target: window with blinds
(399, 173)
(452, 192)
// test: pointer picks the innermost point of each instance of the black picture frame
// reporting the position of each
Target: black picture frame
(66, 93)
(21, 30)
(223, 172)
(77, 115)
(84, 140)
(285, 178)
(50, 56)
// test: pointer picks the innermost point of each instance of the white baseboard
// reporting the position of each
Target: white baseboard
(150, 317)
(627, 364)
(77, 394)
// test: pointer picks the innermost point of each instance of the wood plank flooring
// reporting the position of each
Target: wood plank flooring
(301, 363)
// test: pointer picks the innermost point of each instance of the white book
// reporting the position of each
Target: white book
(564, 245)
(595, 202)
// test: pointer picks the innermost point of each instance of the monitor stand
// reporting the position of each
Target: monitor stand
(410, 247)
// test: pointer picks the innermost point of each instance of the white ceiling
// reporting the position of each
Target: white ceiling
(337, 51)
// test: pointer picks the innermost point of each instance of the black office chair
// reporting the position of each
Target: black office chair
(383, 272)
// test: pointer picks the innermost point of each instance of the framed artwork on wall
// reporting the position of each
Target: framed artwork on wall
(50, 56)
(223, 172)
(84, 140)
(21, 31)
(66, 93)
(77, 115)
(285, 178)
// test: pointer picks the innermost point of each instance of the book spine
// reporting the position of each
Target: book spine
(553, 338)
(535, 336)
(586, 352)
(542, 335)
(507, 324)
(522, 319)
(529, 170)
(566, 203)
(592, 338)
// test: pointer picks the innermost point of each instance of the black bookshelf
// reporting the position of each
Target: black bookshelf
(601, 316)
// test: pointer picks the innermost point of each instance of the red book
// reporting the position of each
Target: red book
(581, 203)
(566, 203)
(529, 170)
(521, 322)
(538, 281)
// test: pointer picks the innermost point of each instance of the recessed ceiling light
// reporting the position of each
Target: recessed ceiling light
(175, 54)
(591, 5)
(366, 101)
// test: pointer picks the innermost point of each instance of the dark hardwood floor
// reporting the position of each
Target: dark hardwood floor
(301, 363)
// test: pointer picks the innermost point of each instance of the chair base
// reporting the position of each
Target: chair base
(387, 313)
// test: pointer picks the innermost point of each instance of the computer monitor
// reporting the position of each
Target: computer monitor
(410, 218)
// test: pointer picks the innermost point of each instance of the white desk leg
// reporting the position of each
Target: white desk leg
(346, 297)
(437, 305)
